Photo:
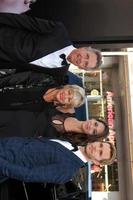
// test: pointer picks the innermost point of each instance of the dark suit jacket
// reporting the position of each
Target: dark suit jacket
(37, 160)
(24, 39)
(24, 91)
(21, 124)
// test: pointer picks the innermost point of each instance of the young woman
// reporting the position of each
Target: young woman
(79, 132)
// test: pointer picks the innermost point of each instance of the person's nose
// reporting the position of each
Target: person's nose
(92, 128)
(69, 96)
(93, 148)
(85, 60)
(99, 147)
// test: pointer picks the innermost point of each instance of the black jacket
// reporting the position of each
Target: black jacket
(24, 39)
(24, 90)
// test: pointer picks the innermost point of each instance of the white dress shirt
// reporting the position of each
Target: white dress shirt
(70, 147)
(53, 60)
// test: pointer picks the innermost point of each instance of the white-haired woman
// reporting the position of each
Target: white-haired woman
(33, 91)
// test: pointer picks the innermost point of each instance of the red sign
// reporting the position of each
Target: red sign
(110, 116)
(110, 111)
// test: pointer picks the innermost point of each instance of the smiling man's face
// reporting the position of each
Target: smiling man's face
(83, 58)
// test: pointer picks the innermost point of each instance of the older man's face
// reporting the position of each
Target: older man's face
(83, 59)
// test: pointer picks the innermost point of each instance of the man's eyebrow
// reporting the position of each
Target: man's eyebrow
(94, 132)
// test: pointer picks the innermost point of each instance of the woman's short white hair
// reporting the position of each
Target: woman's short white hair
(79, 95)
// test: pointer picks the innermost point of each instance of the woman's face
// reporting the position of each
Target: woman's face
(65, 96)
(93, 127)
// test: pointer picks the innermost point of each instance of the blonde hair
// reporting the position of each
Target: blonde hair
(79, 95)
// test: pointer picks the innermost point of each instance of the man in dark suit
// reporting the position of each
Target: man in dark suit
(42, 160)
(41, 43)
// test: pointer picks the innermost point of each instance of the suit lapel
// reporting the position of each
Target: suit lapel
(69, 154)
(65, 153)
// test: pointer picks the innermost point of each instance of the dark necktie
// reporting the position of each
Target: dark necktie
(64, 62)
(75, 148)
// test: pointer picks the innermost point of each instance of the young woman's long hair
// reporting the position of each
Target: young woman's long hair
(82, 139)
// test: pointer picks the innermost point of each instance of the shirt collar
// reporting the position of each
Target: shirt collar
(69, 146)
(67, 50)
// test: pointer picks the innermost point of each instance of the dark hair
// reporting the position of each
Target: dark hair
(82, 138)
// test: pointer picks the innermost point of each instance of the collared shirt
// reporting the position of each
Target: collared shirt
(70, 147)
(53, 60)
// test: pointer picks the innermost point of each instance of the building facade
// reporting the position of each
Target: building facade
(109, 96)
